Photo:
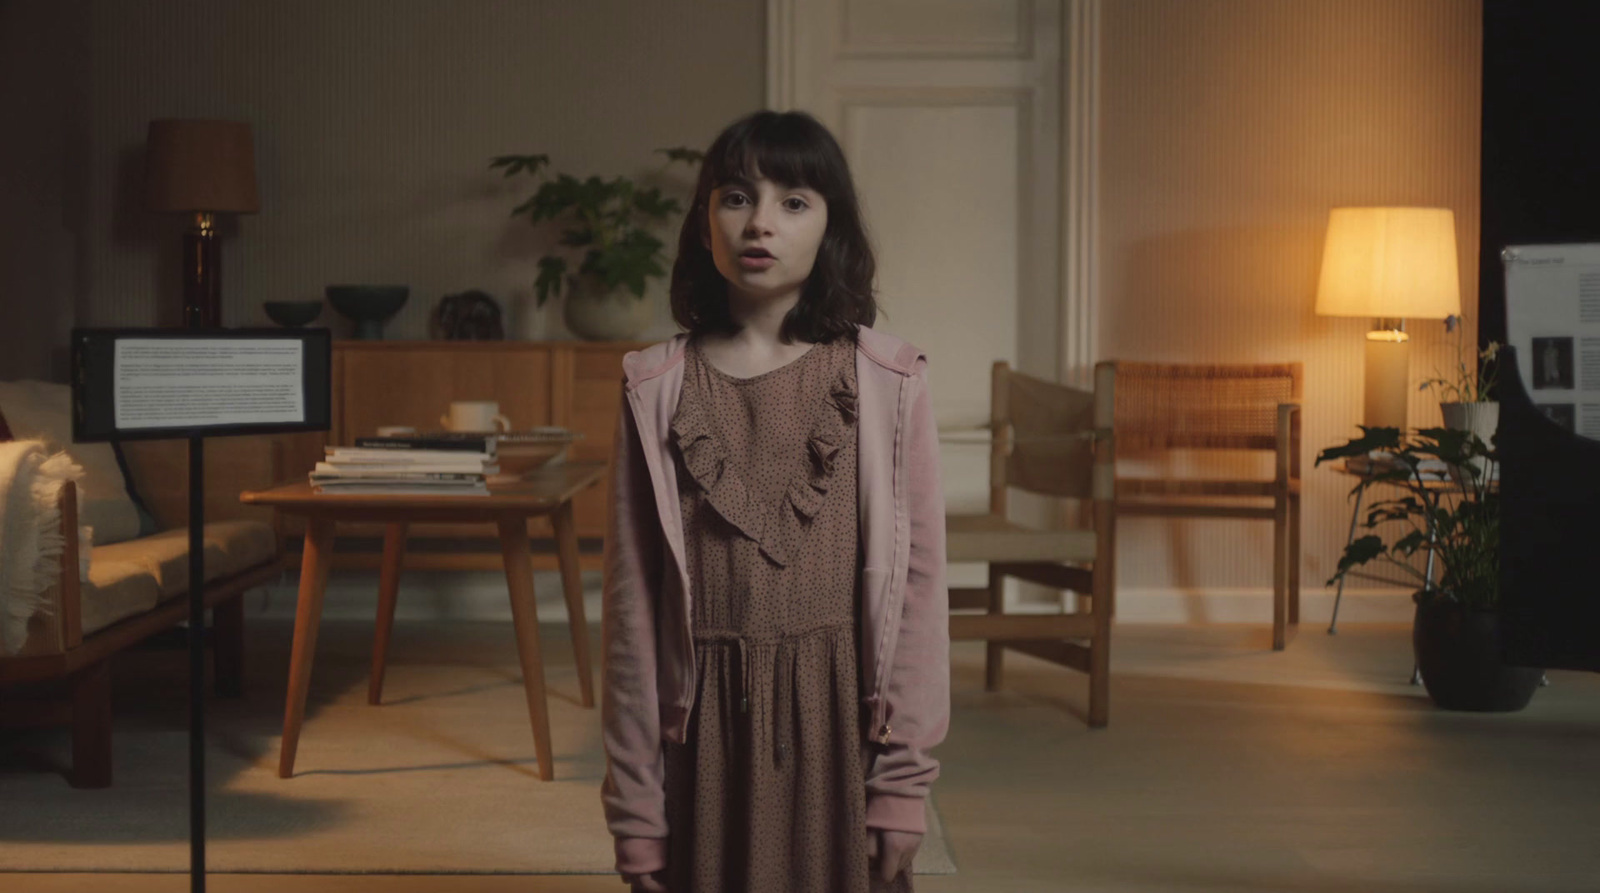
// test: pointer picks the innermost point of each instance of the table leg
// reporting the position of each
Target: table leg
(519, 581)
(572, 586)
(314, 565)
(394, 548)
(1427, 583)
(1338, 595)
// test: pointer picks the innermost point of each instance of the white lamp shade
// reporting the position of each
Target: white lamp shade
(1390, 263)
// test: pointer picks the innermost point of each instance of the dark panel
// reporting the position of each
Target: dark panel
(1541, 142)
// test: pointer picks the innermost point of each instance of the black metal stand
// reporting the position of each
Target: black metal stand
(197, 666)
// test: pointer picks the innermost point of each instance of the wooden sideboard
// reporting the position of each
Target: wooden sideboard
(574, 384)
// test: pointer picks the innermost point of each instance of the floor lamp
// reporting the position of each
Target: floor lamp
(1389, 264)
(201, 168)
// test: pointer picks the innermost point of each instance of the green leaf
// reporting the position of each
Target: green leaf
(1359, 552)
(1371, 439)
(681, 153)
(652, 204)
(551, 271)
(1410, 543)
(577, 237)
(518, 163)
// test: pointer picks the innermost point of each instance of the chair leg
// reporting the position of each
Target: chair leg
(1100, 667)
(227, 655)
(995, 652)
(1280, 571)
(91, 727)
(1294, 560)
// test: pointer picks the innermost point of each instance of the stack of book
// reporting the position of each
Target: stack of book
(442, 464)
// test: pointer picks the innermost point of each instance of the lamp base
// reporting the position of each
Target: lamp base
(202, 274)
(1387, 386)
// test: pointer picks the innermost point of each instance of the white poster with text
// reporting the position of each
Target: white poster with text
(193, 382)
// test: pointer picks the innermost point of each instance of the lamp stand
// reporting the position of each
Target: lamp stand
(1387, 385)
(202, 274)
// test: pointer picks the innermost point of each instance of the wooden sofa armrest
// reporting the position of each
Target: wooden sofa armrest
(70, 600)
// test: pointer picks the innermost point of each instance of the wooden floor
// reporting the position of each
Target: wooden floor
(1226, 767)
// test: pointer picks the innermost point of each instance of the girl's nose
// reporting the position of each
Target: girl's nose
(760, 220)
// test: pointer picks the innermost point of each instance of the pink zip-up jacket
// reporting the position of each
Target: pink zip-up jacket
(649, 648)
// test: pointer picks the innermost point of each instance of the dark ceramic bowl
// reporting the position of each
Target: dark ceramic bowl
(292, 314)
(368, 305)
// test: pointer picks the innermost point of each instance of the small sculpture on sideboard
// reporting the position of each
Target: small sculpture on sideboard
(468, 316)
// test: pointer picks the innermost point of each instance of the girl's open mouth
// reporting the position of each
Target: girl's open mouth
(756, 262)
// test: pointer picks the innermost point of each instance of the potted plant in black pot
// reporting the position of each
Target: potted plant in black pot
(1448, 498)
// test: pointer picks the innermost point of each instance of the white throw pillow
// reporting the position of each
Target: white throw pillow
(42, 410)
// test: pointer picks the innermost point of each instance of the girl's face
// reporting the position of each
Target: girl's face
(764, 236)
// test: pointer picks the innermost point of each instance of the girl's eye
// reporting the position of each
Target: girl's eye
(739, 200)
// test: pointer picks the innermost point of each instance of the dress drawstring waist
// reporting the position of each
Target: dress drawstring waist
(783, 705)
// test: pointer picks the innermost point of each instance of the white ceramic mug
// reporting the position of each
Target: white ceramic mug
(475, 415)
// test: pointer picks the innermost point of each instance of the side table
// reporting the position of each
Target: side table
(548, 491)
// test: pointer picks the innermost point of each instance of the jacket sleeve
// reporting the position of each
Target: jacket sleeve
(632, 793)
(918, 689)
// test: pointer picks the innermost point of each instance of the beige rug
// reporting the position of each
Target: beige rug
(440, 779)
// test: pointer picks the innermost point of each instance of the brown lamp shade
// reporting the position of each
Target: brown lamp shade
(200, 166)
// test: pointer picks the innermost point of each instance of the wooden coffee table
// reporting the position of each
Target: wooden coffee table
(548, 491)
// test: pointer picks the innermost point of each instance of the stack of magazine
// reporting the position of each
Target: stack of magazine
(431, 464)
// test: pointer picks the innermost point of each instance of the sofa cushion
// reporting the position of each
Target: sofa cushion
(43, 410)
(116, 589)
(231, 547)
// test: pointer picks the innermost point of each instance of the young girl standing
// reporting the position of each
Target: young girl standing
(775, 611)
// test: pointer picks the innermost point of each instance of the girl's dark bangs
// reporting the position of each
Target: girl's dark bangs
(784, 162)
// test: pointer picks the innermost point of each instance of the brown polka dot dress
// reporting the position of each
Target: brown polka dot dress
(767, 793)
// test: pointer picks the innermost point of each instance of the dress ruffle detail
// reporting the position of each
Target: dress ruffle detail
(779, 529)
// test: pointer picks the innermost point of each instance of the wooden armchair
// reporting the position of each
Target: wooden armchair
(1056, 441)
(1163, 407)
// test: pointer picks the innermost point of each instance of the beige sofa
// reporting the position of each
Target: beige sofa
(135, 587)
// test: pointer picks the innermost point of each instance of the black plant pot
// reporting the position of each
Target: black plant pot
(1458, 653)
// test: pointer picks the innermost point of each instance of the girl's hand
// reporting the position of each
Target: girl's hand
(655, 882)
(894, 851)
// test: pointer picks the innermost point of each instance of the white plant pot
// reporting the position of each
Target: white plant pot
(1482, 419)
(594, 314)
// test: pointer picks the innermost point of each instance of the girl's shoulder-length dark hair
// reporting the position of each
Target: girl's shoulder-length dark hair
(795, 150)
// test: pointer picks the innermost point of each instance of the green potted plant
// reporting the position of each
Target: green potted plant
(1456, 628)
(1466, 397)
(608, 226)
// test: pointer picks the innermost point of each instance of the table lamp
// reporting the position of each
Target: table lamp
(1390, 264)
(200, 168)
